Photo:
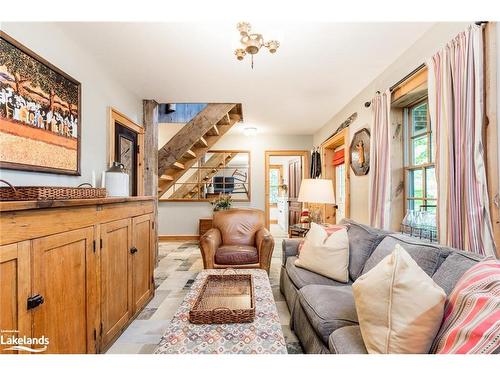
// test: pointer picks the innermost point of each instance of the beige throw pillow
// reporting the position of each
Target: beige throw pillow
(400, 308)
(329, 257)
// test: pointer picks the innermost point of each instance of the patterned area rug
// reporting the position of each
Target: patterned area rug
(179, 263)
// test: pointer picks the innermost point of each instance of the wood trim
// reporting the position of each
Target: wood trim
(116, 116)
(177, 238)
(267, 157)
(491, 133)
(327, 149)
(419, 79)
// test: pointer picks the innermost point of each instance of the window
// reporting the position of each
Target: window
(421, 186)
(275, 173)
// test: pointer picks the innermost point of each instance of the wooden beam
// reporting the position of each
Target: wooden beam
(150, 170)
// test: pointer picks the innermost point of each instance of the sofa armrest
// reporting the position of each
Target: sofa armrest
(209, 243)
(264, 242)
(290, 248)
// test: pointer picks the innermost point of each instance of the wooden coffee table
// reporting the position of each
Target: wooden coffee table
(262, 336)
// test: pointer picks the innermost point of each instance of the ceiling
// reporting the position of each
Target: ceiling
(316, 71)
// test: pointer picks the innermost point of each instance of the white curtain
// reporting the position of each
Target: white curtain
(456, 107)
(380, 162)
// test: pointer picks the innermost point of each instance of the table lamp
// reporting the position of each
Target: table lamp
(316, 190)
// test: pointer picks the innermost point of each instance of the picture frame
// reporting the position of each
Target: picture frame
(40, 113)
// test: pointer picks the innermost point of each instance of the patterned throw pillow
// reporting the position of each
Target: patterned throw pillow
(471, 323)
(329, 228)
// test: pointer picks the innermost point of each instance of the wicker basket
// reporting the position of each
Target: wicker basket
(224, 299)
(42, 193)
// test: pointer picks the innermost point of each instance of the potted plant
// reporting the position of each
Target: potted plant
(222, 202)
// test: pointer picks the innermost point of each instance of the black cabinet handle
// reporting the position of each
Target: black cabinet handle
(35, 301)
(133, 250)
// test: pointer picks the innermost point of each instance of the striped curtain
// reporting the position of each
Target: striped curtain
(456, 107)
(380, 162)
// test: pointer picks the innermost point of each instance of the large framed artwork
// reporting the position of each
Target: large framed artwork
(40, 113)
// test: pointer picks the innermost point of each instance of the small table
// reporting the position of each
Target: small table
(299, 230)
(262, 336)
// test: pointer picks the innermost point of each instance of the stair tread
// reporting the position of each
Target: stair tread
(178, 165)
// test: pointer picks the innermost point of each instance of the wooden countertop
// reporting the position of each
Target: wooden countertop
(8, 206)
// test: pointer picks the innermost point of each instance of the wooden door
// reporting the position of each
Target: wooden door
(116, 278)
(294, 181)
(64, 275)
(15, 282)
(142, 260)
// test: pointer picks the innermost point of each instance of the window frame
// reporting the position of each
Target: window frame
(409, 167)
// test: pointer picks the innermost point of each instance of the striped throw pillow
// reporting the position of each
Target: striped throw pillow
(471, 323)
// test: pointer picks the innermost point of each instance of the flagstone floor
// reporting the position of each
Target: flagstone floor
(179, 263)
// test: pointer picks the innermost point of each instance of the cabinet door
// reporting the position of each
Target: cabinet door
(15, 282)
(116, 278)
(64, 274)
(142, 260)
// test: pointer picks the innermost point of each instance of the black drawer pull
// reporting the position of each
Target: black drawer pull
(133, 250)
(35, 301)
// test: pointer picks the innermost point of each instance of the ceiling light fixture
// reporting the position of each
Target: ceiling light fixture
(250, 131)
(252, 43)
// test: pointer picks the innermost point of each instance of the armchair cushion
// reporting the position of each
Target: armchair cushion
(236, 254)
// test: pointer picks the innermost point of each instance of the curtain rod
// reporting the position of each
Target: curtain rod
(416, 70)
(398, 83)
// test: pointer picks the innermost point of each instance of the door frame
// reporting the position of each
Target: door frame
(267, 157)
(328, 171)
(116, 116)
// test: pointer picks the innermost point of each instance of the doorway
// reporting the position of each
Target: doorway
(284, 171)
(126, 146)
(336, 163)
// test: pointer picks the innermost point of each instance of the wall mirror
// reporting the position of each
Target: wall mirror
(217, 172)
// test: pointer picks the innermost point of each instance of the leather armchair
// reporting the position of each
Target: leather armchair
(238, 239)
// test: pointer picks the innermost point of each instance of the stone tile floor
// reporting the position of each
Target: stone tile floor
(179, 263)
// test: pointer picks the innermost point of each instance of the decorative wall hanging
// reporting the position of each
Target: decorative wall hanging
(345, 124)
(40, 121)
(360, 152)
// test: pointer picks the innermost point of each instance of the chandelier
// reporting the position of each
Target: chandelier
(252, 43)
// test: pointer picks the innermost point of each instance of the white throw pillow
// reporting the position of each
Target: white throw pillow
(400, 308)
(329, 257)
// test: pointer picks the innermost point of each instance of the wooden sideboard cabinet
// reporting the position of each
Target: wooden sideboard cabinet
(76, 272)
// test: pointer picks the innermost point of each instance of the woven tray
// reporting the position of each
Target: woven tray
(41, 193)
(224, 299)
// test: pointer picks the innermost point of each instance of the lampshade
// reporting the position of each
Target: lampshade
(316, 190)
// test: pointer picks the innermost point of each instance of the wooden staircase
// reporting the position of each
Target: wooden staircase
(193, 141)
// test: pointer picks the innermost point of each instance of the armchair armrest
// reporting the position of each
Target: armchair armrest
(264, 242)
(209, 243)
(290, 248)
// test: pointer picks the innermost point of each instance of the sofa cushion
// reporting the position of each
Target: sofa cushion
(347, 340)
(428, 256)
(302, 277)
(236, 254)
(330, 258)
(452, 269)
(328, 308)
(362, 241)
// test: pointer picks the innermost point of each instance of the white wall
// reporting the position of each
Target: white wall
(181, 218)
(424, 48)
(98, 93)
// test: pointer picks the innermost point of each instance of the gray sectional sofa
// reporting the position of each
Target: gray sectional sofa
(323, 313)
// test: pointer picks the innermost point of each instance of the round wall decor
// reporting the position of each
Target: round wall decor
(360, 152)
